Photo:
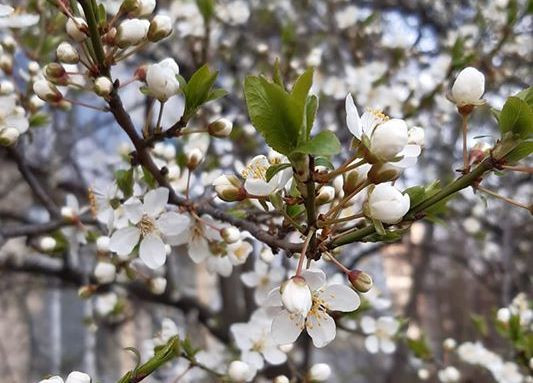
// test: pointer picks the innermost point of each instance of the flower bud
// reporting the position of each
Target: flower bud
(449, 374)
(34, 68)
(160, 27)
(360, 280)
(387, 204)
(319, 372)
(138, 8)
(66, 53)
(478, 152)
(47, 91)
(9, 43)
(296, 296)
(325, 195)
(6, 87)
(503, 315)
(36, 103)
(78, 377)
(105, 272)
(103, 86)
(281, 379)
(468, 87)
(230, 234)
(161, 79)
(158, 285)
(6, 63)
(239, 371)
(383, 172)
(56, 74)
(67, 213)
(9, 136)
(132, 32)
(77, 29)
(388, 139)
(229, 188)
(52, 379)
(47, 244)
(354, 178)
(194, 158)
(449, 344)
(102, 244)
(423, 374)
(220, 128)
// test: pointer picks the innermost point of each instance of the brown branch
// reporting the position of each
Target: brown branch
(33, 229)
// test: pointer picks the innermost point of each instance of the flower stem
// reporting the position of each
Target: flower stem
(466, 166)
(522, 169)
(338, 264)
(304, 251)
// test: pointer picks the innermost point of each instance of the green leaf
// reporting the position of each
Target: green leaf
(215, 94)
(149, 178)
(480, 324)
(125, 181)
(274, 169)
(419, 347)
(38, 120)
(206, 8)
(323, 161)
(311, 107)
(295, 210)
(389, 236)
(272, 113)
(324, 144)
(276, 201)
(526, 95)
(522, 150)
(278, 77)
(378, 225)
(198, 90)
(416, 194)
(516, 117)
(299, 93)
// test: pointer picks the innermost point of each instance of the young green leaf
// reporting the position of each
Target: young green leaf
(274, 169)
(198, 90)
(125, 181)
(324, 144)
(516, 117)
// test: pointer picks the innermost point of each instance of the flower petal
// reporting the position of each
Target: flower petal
(274, 355)
(321, 328)
(315, 279)
(199, 250)
(155, 201)
(250, 279)
(286, 327)
(152, 251)
(372, 344)
(352, 117)
(172, 223)
(340, 298)
(253, 358)
(387, 345)
(259, 187)
(368, 324)
(124, 240)
(133, 210)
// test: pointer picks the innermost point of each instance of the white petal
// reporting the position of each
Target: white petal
(388, 325)
(259, 187)
(411, 150)
(387, 346)
(273, 298)
(372, 344)
(340, 298)
(368, 324)
(352, 117)
(274, 355)
(172, 224)
(250, 279)
(253, 358)
(406, 162)
(199, 250)
(124, 240)
(155, 201)
(321, 328)
(152, 251)
(133, 209)
(315, 279)
(180, 239)
(6, 10)
(286, 327)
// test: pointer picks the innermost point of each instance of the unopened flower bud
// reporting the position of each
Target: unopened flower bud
(138, 8)
(360, 280)
(296, 296)
(468, 88)
(423, 374)
(34, 68)
(9, 136)
(281, 379)
(66, 53)
(47, 244)
(325, 195)
(67, 213)
(387, 204)
(194, 157)
(220, 128)
(158, 285)
(319, 372)
(6, 63)
(230, 234)
(47, 91)
(229, 188)
(239, 371)
(78, 377)
(383, 172)
(102, 244)
(161, 79)
(77, 29)
(478, 152)
(449, 344)
(56, 74)
(160, 27)
(503, 315)
(36, 103)
(103, 86)
(6, 87)
(132, 32)
(105, 272)
(9, 43)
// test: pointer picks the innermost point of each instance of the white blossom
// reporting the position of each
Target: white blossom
(161, 79)
(468, 87)
(240, 371)
(255, 177)
(151, 225)
(296, 296)
(287, 326)
(76, 28)
(132, 32)
(380, 333)
(387, 204)
(449, 374)
(320, 372)
(105, 272)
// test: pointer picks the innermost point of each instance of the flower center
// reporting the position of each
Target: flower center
(378, 115)
(255, 170)
(146, 225)
(319, 307)
(258, 345)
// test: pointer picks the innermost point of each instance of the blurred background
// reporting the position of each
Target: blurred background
(445, 278)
